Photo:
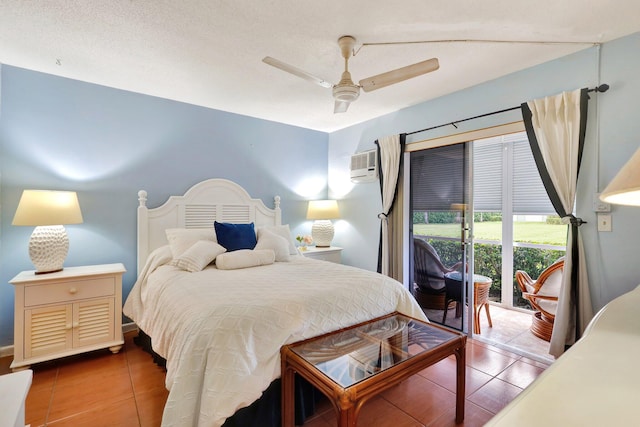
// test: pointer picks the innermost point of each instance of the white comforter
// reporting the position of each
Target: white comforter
(221, 331)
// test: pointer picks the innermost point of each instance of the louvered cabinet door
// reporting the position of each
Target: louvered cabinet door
(93, 322)
(49, 330)
(73, 311)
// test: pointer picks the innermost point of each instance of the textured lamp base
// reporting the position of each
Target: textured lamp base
(48, 248)
(322, 232)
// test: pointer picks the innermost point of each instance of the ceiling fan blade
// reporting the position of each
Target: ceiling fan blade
(340, 107)
(296, 71)
(399, 75)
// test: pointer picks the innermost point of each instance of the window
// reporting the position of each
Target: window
(513, 215)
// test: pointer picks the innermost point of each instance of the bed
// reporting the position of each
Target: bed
(220, 323)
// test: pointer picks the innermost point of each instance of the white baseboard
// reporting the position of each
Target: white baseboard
(126, 327)
(6, 351)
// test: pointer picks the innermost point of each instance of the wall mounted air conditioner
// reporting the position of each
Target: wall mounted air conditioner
(364, 166)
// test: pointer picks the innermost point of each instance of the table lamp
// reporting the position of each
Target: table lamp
(322, 211)
(624, 189)
(48, 211)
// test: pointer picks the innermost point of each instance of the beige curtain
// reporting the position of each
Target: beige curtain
(395, 232)
(556, 128)
(390, 151)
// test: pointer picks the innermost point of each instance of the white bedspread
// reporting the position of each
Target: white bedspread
(221, 330)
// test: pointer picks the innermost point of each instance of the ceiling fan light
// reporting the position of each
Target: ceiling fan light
(347, 93)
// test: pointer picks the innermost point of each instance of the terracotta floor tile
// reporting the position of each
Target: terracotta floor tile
(380, 413)
(494, 395)
(37, 405)
(488, 361)
(122, 414)
(444, 373)
(146, 376)
(423, 399)
(535, 363)
(474, 416)
(150, 406)
(520, 374)
(103, 387)
(98, 362)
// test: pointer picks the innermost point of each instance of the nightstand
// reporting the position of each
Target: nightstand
(331, 253)
(72, 311)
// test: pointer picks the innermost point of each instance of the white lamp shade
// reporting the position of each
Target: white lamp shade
(48, 211)
(45, 207)
(624, 189)
(323, 209)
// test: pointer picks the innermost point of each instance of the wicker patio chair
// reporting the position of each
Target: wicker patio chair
(542, 294)
(428, 275)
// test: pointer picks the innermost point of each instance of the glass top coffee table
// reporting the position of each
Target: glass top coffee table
(354, 364)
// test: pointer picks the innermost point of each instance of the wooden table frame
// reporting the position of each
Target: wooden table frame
(348, 401)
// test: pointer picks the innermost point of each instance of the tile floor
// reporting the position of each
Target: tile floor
(127, 389)
(510, 331)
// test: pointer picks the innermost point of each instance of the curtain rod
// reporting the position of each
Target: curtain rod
(602, 88)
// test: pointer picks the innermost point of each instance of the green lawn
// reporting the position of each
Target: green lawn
(526, 232)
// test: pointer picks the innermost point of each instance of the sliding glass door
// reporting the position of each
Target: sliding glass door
(440, 232)
(488, 188)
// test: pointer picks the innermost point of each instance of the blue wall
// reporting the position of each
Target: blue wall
(107, 144)
(612, 137)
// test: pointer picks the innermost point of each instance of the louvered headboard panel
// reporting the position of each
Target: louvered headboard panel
(208, 201)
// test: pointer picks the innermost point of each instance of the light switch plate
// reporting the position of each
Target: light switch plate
(604, 222)
(599, 205)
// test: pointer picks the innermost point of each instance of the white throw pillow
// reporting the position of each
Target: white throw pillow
(181, 239)
(244, 258)
(269, 240)
(284, 231)
(198, 256)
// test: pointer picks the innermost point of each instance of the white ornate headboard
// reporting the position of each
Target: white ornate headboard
(207, 201)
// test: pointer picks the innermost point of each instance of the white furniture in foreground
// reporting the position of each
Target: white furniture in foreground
(332, 253)
(72, 311)
(13, 393)
(595, 383)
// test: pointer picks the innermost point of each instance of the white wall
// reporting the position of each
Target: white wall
(612, 136)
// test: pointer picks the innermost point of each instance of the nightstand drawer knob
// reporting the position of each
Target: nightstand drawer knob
(73, 291)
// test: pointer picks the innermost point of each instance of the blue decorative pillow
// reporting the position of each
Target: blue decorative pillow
(235, 236)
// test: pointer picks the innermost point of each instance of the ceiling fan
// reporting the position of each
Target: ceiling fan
(346, 91)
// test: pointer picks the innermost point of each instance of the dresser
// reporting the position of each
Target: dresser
(594, 383)
(332, 253)
(72, 311)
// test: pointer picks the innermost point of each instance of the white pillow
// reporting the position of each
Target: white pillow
(244, 258)
(284, 231)
(181, 239)
(269, 240)
(198, 256)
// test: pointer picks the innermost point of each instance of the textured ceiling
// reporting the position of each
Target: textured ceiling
(209, 53)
